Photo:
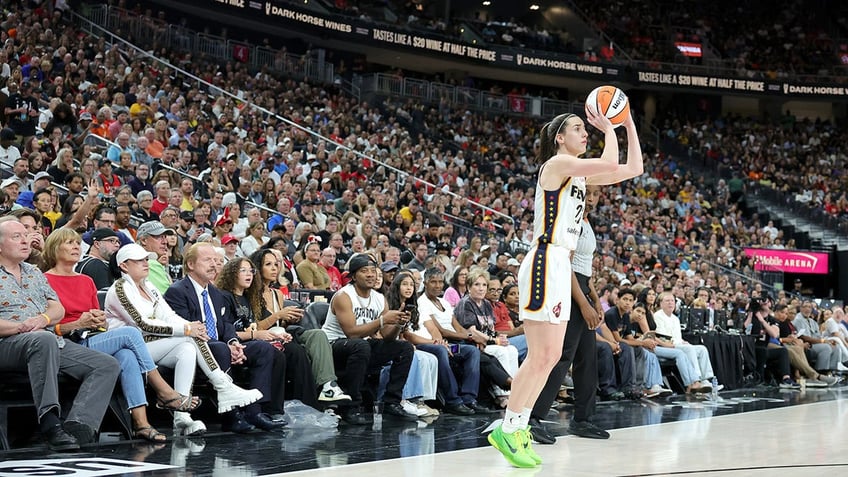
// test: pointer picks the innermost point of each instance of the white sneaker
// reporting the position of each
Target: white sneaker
(428, 411)
(827, 380)
(815, 383)
(657, 390)
(841, 367)
(412, 408)
(332, 392)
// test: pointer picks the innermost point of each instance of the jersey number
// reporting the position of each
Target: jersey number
(579, 215)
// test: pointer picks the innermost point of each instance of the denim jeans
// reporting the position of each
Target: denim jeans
(422, 380)
(455, 390)
(520, 343)
(128, 347)
(650, 364)
(688, 373)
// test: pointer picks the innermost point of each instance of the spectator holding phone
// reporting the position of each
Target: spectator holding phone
(363, 333)
(422, 382)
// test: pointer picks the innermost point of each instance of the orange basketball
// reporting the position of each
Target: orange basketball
(611, 102)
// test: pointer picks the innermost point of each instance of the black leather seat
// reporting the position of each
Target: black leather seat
(315, 315)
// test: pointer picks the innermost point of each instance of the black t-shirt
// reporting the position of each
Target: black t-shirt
(98, 270)
(468, 314)
(759, 332)
(616, 322)
(244, 317)
(22, 123)
(786, 328)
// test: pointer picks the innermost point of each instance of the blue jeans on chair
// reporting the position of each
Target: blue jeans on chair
(415, 386)
(455, 390)
(520, 343)
(128, 347)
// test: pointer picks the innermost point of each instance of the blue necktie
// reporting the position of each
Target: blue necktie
(211, 331)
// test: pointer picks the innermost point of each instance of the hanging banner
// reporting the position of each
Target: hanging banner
(788, 261)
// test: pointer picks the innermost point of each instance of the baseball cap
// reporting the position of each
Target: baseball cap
(222, 220)
(42, 175)
(625, 282)
(85, 116)
(133, 251)
(389, 267)
(416, 238)
(512, 262)
(228, 200)
(102, 162)
(153, 229)
(187, 216)
(358, 262)
(227, 238)
(325, 180)
(9, 181)
(102, 233)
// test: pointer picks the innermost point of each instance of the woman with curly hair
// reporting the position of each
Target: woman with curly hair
(423, 379)
(271, 312)
(238, 280)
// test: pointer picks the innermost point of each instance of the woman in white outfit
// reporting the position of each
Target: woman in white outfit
(173, 342)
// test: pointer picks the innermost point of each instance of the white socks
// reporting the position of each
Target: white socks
(514, 421)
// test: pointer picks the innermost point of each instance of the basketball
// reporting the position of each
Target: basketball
(611, 102)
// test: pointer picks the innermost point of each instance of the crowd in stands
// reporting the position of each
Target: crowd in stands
(800, 157)
(109, 157)
(764, 40)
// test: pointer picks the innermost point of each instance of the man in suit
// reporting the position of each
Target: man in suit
(196, 299)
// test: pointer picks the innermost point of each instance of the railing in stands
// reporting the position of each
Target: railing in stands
(134, 50)
(151, 31)
(468, 98)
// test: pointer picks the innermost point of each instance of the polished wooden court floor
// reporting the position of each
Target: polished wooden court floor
(750, 432)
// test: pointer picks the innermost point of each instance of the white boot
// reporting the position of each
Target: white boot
(184, 425)
(231, 396)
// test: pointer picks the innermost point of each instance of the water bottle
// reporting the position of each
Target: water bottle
(714, 384)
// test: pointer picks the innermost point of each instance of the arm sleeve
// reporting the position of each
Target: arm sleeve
(464, 315)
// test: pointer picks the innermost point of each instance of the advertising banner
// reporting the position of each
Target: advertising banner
(788, 261)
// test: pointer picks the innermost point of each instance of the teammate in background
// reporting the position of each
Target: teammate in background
(546, 297)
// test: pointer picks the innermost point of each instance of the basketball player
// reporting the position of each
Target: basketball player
(544, 289)
(579, 344)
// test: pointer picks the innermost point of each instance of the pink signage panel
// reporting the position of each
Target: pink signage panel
(791, 261)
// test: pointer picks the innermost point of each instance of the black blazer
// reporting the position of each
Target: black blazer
(183, 300)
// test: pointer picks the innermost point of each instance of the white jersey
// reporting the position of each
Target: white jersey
(559, 213)
(365, 310)
(581, 262)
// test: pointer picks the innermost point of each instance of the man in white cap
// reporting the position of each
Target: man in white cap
(152, 236)
(41, 181)
(12, 187)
